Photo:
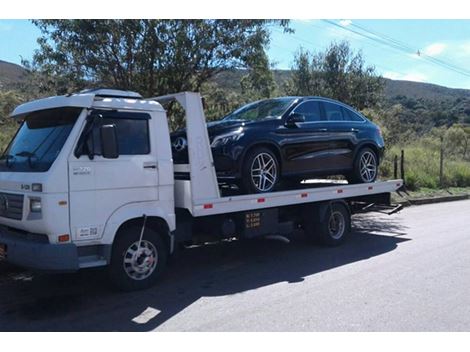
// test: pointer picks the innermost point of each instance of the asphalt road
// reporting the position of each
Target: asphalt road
(406, 272)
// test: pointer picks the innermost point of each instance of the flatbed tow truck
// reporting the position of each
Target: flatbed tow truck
(95, 202)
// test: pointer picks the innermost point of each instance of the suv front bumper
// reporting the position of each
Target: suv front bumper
(27, 251)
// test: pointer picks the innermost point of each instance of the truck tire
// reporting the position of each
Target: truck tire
(329, 225)
(133, 268)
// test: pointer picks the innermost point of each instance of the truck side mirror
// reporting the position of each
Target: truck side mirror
(294, 118)
(203, 101)
(109, 144)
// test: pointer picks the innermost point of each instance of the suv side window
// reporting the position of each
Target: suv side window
(133, 135)
(351, 116)
(333, 112)
(310, 109)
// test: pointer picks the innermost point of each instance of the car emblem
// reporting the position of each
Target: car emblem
(3, 204)
(179, 144)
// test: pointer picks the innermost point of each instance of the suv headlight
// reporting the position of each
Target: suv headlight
(227, 137)
(35, 205)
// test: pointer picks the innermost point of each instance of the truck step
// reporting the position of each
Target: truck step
(91, 261)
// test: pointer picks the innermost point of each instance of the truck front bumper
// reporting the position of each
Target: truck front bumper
(29, 251)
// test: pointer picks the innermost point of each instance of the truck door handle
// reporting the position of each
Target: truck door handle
(323, 129)
(150, 166)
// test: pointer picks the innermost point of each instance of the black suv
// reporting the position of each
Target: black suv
(290, 138)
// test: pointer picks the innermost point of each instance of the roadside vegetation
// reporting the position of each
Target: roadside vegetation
(226, 60)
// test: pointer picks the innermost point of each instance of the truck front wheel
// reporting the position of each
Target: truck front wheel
(136, 264)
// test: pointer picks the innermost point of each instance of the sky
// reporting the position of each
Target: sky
(431, 51)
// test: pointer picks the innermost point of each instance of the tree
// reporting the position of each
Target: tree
(338, 73)
(149, 56)
(219, 102)
(394, 123)
(259, 82)
(8, 101)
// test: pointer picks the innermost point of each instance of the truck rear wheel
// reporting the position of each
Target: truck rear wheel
(135, 264)
(330, 224)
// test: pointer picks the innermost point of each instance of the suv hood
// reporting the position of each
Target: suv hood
(223, 126)
(216, 127)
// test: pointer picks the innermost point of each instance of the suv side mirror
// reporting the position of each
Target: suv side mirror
(109, 144)
(294, 118)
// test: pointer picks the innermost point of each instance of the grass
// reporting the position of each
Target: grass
(422, 167)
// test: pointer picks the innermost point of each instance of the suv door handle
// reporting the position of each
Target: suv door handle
(323, 129)
(355, 130)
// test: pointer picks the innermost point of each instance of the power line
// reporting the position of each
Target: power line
(299, 39)
(397, 45)
(431, 58)
(373, 38)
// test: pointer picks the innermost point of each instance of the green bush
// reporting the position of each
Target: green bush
(457, 174)
(416, 180)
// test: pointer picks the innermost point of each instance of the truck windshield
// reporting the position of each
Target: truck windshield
(39, 140)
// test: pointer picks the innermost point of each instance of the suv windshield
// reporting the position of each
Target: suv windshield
(263, 109)
(39, 140)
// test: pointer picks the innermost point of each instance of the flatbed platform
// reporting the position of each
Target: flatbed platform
(236, 203)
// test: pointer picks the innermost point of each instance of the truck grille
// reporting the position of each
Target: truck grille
(11, 206)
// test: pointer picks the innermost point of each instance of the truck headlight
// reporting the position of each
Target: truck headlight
(227, 137)
(35, 205)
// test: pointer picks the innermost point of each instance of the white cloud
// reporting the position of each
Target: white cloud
(414, 76)
(337, 33)
(410, 76)
(345, 23)
(391, 75)
(434, 49)
(305, 20)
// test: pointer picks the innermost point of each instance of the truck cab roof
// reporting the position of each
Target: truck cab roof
(92, 98)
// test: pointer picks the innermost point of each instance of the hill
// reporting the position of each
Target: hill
(419, 90)
(393, 88)
(10, 74)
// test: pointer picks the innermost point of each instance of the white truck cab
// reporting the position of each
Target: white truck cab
(61, 200)
(88, 181)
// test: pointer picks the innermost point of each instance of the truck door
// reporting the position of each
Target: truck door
(99, 186)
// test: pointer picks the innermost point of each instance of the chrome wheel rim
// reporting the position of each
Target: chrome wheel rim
(264, 172)
(368, 165)
(336, 225)
(140, 262)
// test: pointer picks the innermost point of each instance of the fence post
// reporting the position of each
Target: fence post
(395, 167)
(402, 165)
(441, 164)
